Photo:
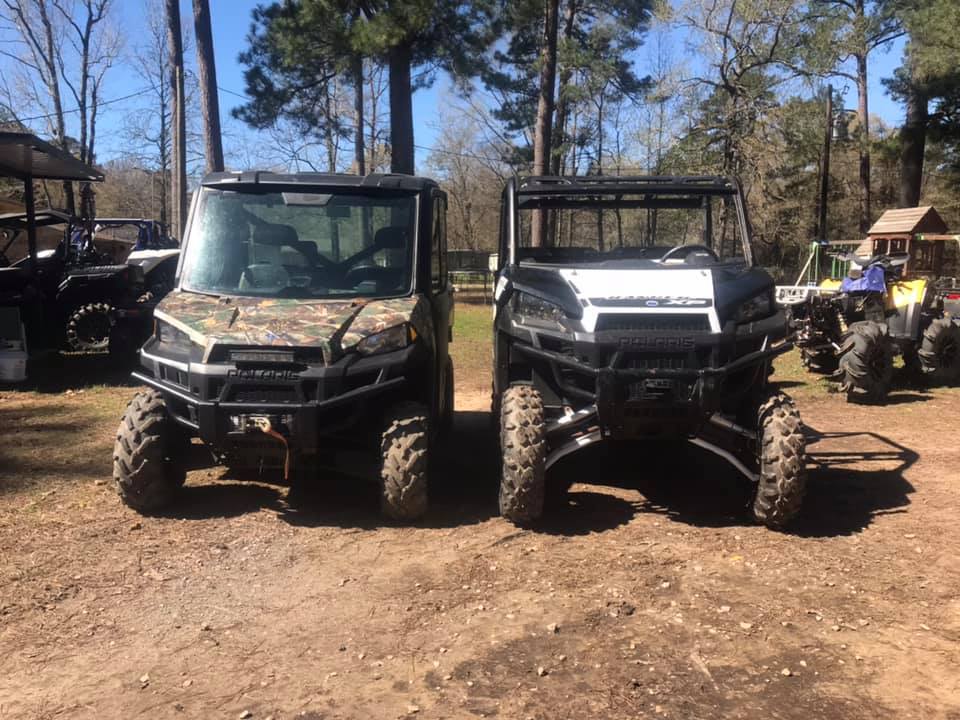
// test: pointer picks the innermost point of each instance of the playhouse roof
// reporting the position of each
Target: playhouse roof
(909, 221)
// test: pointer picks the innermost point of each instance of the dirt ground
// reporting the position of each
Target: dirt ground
(645, 593)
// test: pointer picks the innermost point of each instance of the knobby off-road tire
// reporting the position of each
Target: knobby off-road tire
(940, 351)
(149, 454)
(524, 447)
(820, 360)
(866, 362)
(782, 460)
(404, 456)
(88, 329)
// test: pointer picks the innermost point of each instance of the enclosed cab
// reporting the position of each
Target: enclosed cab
(631, 309)
(312, 316)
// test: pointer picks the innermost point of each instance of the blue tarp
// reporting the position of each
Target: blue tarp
(871, 281)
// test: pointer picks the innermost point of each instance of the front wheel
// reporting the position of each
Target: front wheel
(149, 454)
(404, 454)
(782, 459)
(88, 329)
(524, 447)
(940, 351)
(866, 362)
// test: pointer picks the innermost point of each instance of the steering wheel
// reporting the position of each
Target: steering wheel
(686, 250)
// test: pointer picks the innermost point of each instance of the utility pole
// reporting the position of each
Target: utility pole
(179, 154)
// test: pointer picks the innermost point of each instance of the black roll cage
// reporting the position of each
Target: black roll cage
(603, 191)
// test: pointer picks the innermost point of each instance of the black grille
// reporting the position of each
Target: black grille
(653, 322)
(671, 361)
(263, 394)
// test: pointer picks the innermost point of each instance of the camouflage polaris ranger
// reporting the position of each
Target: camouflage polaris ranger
(311, 318)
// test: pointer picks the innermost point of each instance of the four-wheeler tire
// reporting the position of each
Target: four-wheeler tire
(819, 360)
(524, 447)
(781, 455)
(940, 351)
(404, 459)
(88, 329)
(149, 454)
(866, 361)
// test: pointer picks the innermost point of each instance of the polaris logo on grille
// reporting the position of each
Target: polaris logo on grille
(266, 374)
(658, 343)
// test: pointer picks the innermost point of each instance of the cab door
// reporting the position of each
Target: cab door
(441, 299)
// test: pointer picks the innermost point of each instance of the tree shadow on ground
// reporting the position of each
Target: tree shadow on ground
(463, 487)
(38, 447)
(55, 372)
(852, 478)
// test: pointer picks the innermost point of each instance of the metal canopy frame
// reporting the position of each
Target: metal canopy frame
(26, 157)
(545, 185)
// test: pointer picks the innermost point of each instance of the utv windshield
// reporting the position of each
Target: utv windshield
(300, 244)
(666, 228)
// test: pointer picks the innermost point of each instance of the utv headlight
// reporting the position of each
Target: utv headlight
(395, 338)
(755, 308)
(172, 340)
(535, 311)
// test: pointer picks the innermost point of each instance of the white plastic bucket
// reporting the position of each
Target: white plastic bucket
(13, 366)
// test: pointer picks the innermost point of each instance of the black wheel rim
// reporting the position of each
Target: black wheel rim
(93, 330)
(948, 352)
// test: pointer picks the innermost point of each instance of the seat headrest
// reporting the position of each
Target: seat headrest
(270, 234)
(391, 237)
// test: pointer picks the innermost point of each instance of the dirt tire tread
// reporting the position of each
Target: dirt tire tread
(148, 454)
(404, 451)
(523, 445)
(930, 352)
(862, 345)
(782, 455)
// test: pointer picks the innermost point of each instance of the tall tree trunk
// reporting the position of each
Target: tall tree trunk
(863, 117)
(545, 107)
(600, 239)
(401, 111)
(328, 139)
(563, 101)
(359, 153)
(820, 230)
(209, 101)
(913, 139)
(179, 151)
(53, 87)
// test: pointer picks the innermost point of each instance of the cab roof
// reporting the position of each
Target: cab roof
(383, 181)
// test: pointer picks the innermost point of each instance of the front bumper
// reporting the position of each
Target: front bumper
(643, 382)
(312, 407)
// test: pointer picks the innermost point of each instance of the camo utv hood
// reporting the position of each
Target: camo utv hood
(331, 325)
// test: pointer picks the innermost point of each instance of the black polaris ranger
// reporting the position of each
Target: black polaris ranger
(312, 315)
(629, 308)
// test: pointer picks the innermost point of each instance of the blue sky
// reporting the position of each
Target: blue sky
(231, 21)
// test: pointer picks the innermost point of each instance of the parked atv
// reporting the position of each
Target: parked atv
(853, 329)
(312, 318)
(79, 289)
(630, 309)
(154, 251)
